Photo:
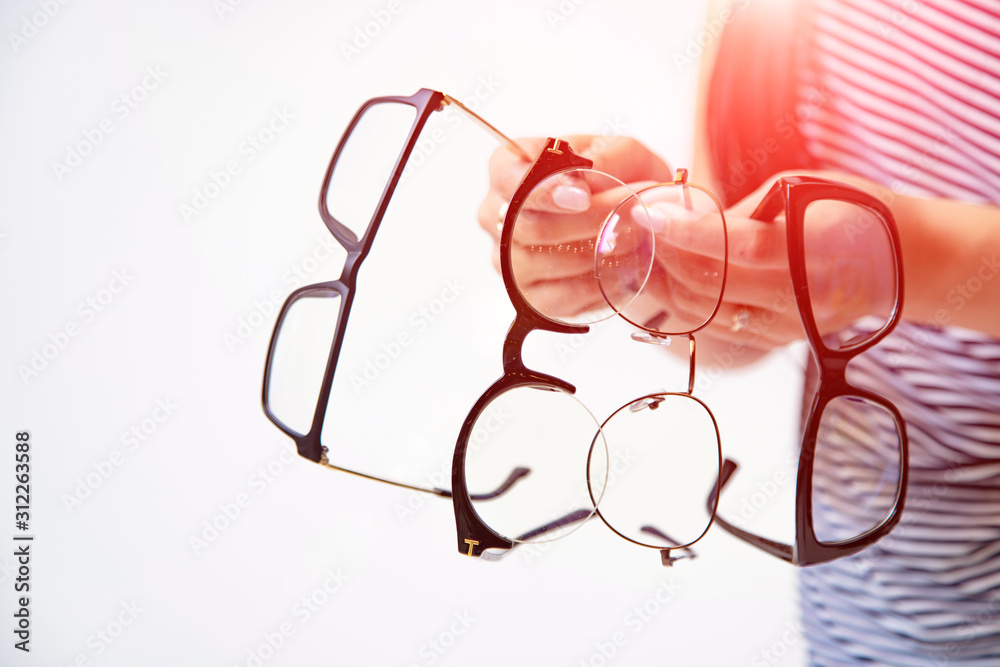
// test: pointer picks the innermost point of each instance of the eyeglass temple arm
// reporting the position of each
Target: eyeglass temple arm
(512, 479)
(571, 518)
(772, 204)
(779, 549)
(504, 139)
(515, 475)
(666, 555)
(582, 515)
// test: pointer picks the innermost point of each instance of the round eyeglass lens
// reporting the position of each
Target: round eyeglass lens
(688, 270)
(851, 269)
(856, 470)
(532, 443)
(558, 247)
(663, 461)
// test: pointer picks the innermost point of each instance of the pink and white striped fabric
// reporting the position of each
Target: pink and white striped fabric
(907, 93)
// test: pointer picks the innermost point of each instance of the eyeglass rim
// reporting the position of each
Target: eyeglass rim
(808, 550)
(712, 506)
(556, 156)
(792, 195)
(473, 534)
(680, 178)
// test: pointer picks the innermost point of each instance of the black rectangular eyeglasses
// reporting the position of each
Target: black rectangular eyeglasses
(853, 461)
(358, 185)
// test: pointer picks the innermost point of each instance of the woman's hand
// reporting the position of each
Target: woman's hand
(552, 251)
(553, 254)
(848, 259)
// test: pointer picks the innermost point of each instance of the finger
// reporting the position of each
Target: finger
(680, 309)
(566, 298)
(530, 264)
(623, 157)
(761, 287)
(489, 214)
(747, 242)
(538, 224)
(755, 327)
(507, 169)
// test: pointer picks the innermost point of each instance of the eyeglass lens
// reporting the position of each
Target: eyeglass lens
(850, 268)
(548, 432)
(856, 470)
(301, 348)
(365, 163)
(688, 274)
(568, 269)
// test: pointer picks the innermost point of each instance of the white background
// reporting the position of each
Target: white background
(118, 575)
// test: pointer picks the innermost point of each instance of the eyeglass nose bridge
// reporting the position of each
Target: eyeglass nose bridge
(653, 338)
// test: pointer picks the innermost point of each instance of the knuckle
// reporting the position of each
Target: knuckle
(759, 246)
(487, 215)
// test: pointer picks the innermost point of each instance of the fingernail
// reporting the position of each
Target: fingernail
(571, 198)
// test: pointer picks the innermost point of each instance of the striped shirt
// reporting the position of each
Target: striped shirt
(907, 93)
